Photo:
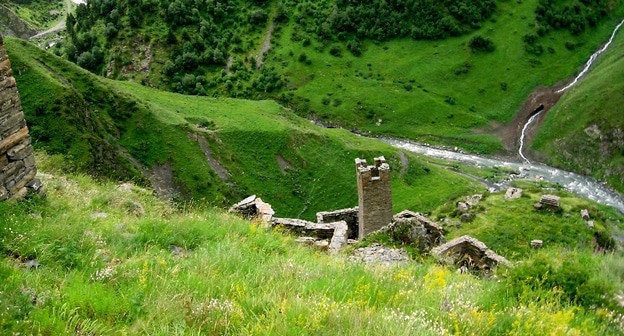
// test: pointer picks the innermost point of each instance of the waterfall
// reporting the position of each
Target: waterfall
(524, 130)
(592, 59)
(583, 72)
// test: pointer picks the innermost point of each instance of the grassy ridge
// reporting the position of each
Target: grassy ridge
(583, 132)
(161, 271)
(99, 118)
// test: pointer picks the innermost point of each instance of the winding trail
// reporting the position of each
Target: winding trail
(266, 45)
(60, 26)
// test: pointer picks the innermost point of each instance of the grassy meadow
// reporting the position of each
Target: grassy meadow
(107, 258)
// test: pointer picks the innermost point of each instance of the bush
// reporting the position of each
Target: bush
(481, 44)
(335, 51)
(574, 274)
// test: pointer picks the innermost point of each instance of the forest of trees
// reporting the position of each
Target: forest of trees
(199, 36)
(382, 20)
(572, 15)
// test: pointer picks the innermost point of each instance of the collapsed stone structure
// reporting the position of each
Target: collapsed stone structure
(374, 195)
(415, 229)
(335, 232)
(253, 207)
(469, 253)
(349, 216)
(549, 202)
(335, 229)
(17, 161)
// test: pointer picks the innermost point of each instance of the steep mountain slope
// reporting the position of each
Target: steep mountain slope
(444, 72)
(212, 150)
(24, 18)
(585, 131)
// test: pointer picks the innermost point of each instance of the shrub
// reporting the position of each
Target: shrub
(335, 51)
(481, 44)
(574, 274)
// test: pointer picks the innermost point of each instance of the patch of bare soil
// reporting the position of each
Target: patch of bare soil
(265, 46)
(283, 163)
(541, 99)
(223, 173)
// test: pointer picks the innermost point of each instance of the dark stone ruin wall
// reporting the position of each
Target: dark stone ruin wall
(17, 162)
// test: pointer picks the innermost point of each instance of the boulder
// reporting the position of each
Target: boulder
(463, 207)
(513, 193)
(549, 202)
(469, 252)
(415, 229)
(536, 243)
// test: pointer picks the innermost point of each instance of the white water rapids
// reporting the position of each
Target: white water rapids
(578, 184)
(583, 72)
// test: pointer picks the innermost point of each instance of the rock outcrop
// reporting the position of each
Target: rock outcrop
(513, 193)
(415, 229)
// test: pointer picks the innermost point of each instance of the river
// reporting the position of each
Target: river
(578, 184)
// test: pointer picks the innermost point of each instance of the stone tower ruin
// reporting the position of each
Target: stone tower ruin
(374, 195)
(17, 162)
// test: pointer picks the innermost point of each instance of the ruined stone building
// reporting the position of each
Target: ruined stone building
(374, 195)
(17, 162)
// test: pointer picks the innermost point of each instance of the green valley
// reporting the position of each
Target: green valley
(103, 126)
(126, 134)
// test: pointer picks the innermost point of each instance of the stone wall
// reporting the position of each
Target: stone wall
(349, 216)
(17, 162)
(374, 195)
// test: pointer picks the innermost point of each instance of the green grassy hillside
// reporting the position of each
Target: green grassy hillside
(333, 60)
(109, 259)
(22, 18)
(261, 147)
(585, 131)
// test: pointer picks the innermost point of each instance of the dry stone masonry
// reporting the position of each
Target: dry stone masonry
(17, 162)
(335, 229)
(470, 253)
(549, 202)
(374, 195)
(349, 216)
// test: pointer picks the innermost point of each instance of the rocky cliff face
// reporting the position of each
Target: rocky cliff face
(17, 162)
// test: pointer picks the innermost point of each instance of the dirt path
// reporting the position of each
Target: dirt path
(266, 45)
(60, 25)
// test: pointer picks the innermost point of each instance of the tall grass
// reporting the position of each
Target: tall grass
(196, 270)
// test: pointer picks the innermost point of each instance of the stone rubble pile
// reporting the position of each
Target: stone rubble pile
(469, 252)
(549, 202)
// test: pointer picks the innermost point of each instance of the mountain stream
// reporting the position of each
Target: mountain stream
(578, 184)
